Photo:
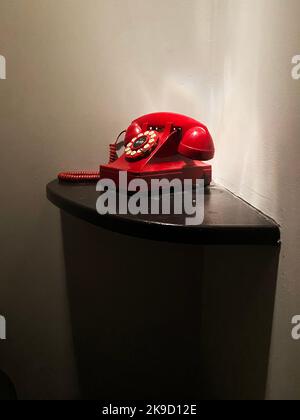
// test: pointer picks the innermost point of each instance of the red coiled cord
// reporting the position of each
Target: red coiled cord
(79, 176)
(90, 176)
(113, 152)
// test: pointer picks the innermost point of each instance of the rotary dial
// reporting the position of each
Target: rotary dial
(141, 145)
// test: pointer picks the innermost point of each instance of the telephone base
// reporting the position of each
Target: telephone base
(199, 170)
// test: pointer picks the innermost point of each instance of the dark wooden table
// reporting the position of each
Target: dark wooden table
(165, 311)
(227, 219)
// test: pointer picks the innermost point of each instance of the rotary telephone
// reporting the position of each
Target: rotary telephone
(158, 145)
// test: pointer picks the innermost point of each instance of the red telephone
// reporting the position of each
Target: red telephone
(158, 145)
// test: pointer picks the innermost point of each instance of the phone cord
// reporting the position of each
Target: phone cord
(90, 176)
(79, 176)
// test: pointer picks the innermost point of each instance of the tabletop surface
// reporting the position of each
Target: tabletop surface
(227, 218)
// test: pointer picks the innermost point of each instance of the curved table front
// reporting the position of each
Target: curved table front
(227, 218)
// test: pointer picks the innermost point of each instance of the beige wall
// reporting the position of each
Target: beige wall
(254, 116)
(77, 72)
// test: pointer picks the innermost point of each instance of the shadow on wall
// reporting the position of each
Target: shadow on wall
(155, 320)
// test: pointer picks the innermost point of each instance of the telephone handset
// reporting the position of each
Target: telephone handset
(158, 145)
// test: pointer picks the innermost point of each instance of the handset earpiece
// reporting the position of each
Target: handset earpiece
(197, 144)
